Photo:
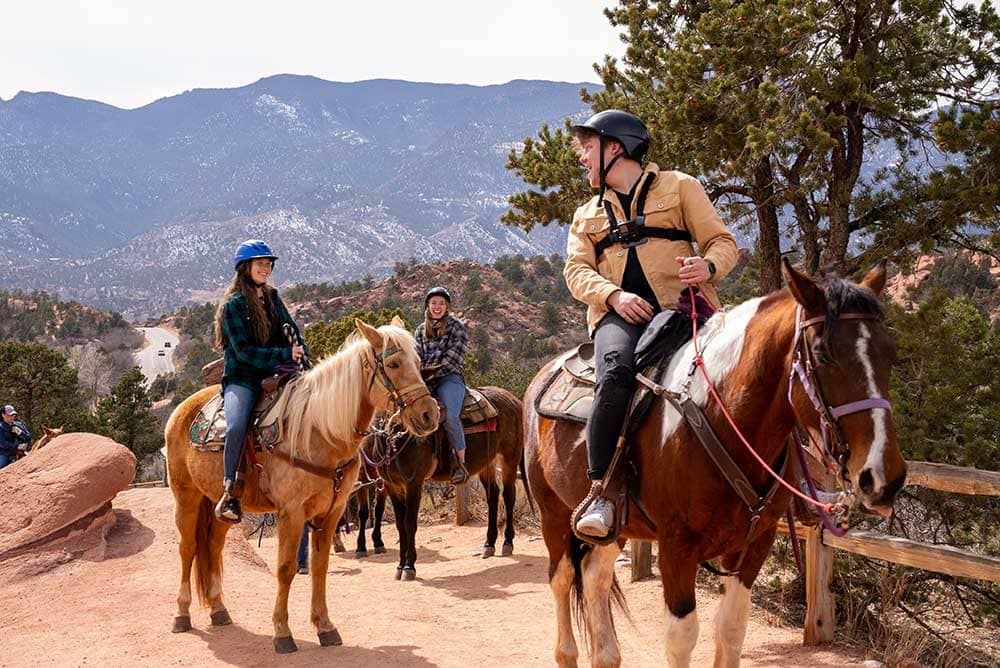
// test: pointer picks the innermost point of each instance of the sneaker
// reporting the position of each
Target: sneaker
(598, 518)
(459, 475)
(303, 569)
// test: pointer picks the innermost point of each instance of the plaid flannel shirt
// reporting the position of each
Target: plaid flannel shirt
(247, 362)
(447, 350)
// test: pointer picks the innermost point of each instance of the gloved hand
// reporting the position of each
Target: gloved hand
(22, 447)
(16, 430)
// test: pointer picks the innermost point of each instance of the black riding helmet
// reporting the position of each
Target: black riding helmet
(437, 292)
(623, 127)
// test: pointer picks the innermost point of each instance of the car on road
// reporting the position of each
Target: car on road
(166, 344)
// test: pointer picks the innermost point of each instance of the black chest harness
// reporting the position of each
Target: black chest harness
(633, 232)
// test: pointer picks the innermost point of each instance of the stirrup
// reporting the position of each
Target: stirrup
(597, 490)
(460, 475)
(228, 508)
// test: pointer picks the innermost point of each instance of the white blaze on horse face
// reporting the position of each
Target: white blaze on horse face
(731, 622)
(721, 343)
(880, 416)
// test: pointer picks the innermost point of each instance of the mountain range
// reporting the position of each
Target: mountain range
(139, 210)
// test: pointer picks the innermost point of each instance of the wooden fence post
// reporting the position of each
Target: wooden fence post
(642, 559)
(463, 499)
(820, 612)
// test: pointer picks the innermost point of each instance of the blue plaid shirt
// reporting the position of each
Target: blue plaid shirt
(447, 350)
(247, 362)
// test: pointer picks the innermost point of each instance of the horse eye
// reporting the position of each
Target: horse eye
(393, 365)
(820, 354)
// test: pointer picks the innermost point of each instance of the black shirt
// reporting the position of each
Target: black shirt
(634, 278)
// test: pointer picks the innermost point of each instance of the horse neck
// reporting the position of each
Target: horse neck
(336, 405)
(756, 391)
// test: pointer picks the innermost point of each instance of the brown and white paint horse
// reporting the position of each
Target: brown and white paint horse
(697, 514)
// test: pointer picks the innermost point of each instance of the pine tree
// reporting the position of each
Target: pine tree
(124, 414)
(777, 106)
(41, 384)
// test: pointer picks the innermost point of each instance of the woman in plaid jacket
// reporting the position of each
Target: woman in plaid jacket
(248, 327)
(442, 342)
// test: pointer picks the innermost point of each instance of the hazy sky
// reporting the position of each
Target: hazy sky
(129, 53)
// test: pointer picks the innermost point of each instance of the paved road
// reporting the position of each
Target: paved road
(148, 359)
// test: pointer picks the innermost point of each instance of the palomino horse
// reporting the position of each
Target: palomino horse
(410, 461)
(325, 411)
(748, 353)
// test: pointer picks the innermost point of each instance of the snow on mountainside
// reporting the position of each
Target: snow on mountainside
(141, 208)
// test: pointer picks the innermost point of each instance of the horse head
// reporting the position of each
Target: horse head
(839, 383)
(397, 385)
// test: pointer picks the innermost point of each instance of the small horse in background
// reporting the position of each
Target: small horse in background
(751, 353)
(311, 471)
(408, 462)
(47, 435)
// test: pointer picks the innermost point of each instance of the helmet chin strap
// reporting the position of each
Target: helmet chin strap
(605, 169)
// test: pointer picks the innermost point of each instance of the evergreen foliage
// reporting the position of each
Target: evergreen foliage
(124, 415)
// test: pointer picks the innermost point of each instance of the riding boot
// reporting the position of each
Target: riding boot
(228, 508)
(459, 473)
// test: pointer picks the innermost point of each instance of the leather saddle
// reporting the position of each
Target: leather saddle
(208, 429)
(478, 413)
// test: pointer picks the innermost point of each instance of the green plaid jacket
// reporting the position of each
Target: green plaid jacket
(247, 362)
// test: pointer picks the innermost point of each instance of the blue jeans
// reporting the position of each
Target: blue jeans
(304, 547)
(451, 390)
(5, 459)
(238, 403)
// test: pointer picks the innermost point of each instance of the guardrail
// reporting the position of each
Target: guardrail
(820, 622)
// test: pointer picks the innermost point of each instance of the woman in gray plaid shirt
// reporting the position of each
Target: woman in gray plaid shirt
(442, 342)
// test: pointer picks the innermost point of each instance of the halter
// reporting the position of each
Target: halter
(804, 368)
(400, 398)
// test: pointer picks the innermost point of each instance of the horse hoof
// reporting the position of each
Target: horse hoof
(330, 638)
(379, 549)
(181, 624)
(285, 645)
(221, 618)
(361, 553)
(508, 549)
(399, 573)
(409, 574)
(488, 551)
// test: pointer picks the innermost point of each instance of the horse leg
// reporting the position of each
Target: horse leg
(489, 479)
(734, 611)
(555, 532)
(320, 559)
(377, 522)
(362, 501)
(678, 569)
(186, 516)
(289, 533)
(509, 499)
(598, 570)
(220, 616)
(399, 512)
(412, 509)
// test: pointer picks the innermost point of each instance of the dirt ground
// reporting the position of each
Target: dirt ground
(462, 610)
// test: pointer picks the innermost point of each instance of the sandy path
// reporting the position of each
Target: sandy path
(461, 611)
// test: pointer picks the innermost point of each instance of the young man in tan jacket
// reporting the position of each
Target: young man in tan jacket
(630, 255)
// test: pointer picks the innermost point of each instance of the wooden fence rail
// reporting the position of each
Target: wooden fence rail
(820, 621)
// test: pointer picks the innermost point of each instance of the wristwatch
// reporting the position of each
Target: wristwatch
(711, 267)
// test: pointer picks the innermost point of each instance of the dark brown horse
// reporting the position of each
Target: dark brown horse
(748, 353)
(415, 460)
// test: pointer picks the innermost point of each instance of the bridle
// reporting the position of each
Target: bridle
(804, 368)
(401, 398)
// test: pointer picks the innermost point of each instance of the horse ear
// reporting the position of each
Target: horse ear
(803, 288)
(369, 333)
(874, 280)
(398, 322)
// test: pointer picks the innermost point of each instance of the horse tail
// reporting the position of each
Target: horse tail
(578, 549)
(203, 562)
(527, 490)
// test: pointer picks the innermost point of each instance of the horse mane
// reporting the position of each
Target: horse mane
(845, 297)
(334, 389)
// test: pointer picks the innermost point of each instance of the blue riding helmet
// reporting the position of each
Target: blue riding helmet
(252, 249)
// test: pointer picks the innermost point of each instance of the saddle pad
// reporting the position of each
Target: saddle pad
(208, 430)
(476, 408)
